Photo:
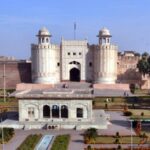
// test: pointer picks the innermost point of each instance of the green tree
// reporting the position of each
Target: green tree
(144, 64)
(91, 134)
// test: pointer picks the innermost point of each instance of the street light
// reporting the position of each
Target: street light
(131, 134)
(4, 82)
(2, 137)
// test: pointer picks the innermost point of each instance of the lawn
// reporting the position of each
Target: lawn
(122, 140)
(7, 134)
(137, 114)
(30, 142)
(61, 142)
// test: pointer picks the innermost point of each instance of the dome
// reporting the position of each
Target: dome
(104, 32)
(44, 32)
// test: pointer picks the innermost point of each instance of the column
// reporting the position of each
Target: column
(59, 111)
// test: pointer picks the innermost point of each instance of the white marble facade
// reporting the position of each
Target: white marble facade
(73, 60)
(55, 110)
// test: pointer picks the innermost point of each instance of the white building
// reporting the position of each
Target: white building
(74, 60)
(62, 106)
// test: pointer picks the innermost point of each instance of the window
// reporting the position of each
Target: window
(58, 64)
(80, 53)
(74, 53)
(90, 64)
(42, 40)
(47, 40)
(31, 112)
(79, 112)
(68, 53)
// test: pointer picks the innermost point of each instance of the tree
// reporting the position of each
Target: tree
(138, 127)
(132, 88)
(91, 134)
(144, 64)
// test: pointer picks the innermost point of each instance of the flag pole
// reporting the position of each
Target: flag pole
(74, 30)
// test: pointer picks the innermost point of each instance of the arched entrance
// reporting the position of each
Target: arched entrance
(75, 74)
(46, 111)
(55, 111)
(64, 111)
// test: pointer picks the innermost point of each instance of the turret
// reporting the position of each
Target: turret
(43, 36)
(106, 59)
(45, 57)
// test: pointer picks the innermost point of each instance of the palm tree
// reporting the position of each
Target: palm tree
(91, 134)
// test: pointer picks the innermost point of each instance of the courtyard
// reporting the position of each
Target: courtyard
(118, 123)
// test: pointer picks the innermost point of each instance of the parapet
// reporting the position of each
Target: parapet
(48, 46)
(108, 46)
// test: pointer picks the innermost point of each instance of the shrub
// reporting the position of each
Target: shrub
(119, 147)
(125, 107)
(128, 113)
(117, 135)
(117, 141)
(142, 113)
(106, 106)
(112, 99)
(89, 147)
(132, 88)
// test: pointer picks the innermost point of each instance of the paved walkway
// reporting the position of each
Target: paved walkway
(118, 123)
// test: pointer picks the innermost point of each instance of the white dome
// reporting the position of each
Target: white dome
(104, 32)
(43, 31)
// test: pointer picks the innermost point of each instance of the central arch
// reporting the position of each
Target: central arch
(75, 74)
(46, 111)
(64, 111)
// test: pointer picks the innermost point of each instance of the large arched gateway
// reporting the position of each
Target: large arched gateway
(74, 74)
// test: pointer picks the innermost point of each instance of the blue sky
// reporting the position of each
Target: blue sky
(20, 20)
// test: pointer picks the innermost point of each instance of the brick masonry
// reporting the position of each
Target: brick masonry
(15, 72)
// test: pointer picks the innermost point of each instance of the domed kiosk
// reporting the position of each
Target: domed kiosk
(45, 58)
(106, 60)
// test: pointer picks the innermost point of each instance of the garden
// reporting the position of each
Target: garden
(61, 142)
(91, 137)
(30, 142)
(6, 134)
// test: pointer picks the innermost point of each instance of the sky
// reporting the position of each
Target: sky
(20, 20)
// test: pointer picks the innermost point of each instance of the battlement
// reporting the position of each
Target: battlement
(108, 46)
(47, 46)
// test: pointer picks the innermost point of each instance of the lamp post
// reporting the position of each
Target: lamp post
(2, 137)
(131, 134)
(4, 82)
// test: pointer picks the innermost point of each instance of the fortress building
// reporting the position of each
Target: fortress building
(60, 95)
(74, 60)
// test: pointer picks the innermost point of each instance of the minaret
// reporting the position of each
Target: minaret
(44, 59)
(107, 55)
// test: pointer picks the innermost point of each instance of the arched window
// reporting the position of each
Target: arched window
(79, 112)
(47, 40)
(64, 111)
(42, 39)
(46, 111)
(55, 111)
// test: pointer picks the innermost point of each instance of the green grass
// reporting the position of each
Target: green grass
(61, 142)
(30, 142)
(7, 134)
(122, 140)
(144, 92)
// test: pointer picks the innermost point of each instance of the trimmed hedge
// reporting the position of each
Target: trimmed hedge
(128, 113)
(30, 142)
(61, 142)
